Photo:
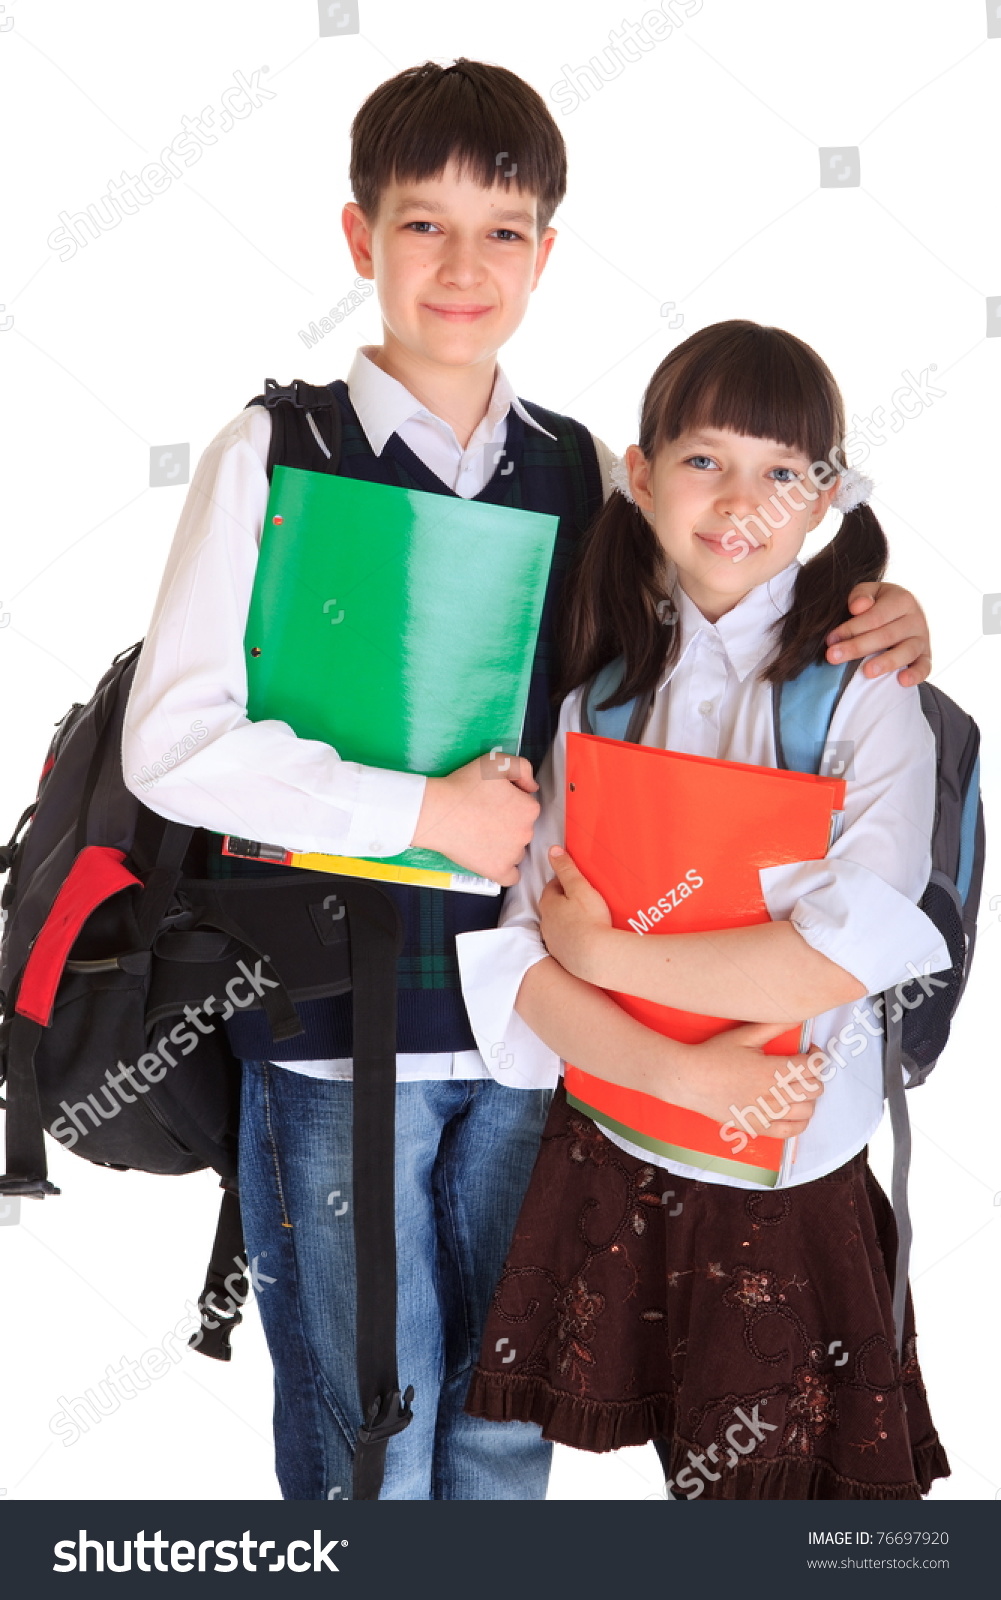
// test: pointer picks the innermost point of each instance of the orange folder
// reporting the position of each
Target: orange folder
(673, 843)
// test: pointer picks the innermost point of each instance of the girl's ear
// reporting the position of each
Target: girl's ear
(822, 505)
(640, 470)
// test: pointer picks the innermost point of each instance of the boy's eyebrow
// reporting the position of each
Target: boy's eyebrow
(420, 203)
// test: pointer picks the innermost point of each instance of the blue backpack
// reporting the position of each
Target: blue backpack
(917, 1016)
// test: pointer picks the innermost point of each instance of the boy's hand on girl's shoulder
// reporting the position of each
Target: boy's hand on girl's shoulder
(731, 1069)
(888, 624)
(481, 819)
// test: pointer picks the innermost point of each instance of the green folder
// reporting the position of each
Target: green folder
(396, 625)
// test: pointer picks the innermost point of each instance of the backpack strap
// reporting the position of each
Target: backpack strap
(27, 1169)
(626, 721)
(900, 1124)
(293, 422)
(802, 711)
(376, 941)
(375, 933)
(226, 1286)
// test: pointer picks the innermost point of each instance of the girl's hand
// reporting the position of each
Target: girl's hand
(573, 916)
(888, 620)
(729, 1072)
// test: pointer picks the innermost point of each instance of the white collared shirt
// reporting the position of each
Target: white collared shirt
(857, 906)
(258, 779)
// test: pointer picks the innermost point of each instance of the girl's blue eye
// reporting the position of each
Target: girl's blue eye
(700, 462)
(791, 472)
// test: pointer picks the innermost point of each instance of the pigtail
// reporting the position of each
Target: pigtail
(857, 554)
(617, 601)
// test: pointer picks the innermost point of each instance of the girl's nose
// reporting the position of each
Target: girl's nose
(737, 499)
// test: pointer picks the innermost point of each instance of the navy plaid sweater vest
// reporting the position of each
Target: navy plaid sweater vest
(559, 476)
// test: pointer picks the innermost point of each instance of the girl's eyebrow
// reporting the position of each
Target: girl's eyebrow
(713, 440)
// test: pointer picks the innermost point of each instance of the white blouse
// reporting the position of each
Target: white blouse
(857, 906)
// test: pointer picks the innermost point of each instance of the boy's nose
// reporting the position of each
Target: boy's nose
(460, 265)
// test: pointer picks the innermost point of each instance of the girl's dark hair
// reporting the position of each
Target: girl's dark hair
(491, 122)
(752, 380)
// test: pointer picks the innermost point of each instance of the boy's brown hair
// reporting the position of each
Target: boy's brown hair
(488, 120)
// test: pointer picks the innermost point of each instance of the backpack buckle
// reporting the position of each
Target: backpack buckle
(274, 392)
(304, 396)
(32, 1188)
(387, 1416)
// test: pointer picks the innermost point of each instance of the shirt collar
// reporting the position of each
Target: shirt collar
(383, 404)
(745, 634)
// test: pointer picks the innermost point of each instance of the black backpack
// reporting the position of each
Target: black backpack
(118, 962)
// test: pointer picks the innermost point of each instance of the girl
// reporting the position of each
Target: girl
(747, 1331)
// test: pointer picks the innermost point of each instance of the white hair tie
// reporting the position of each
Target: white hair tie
(854, 489)
(618, 476)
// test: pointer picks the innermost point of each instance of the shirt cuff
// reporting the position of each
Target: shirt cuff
(856, 919)
(492, 964)
(384, 812)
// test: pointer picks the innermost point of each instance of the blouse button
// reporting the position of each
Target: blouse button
(705, 706)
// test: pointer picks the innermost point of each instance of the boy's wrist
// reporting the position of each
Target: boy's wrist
(384, 813)
(427, 817)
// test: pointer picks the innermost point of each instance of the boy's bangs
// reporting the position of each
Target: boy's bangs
(765, 385)
(429, 155)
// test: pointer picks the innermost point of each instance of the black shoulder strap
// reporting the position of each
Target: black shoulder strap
(376, 939)
(226, 1285)
(27, 1170)
(305, 425)
(375, 932)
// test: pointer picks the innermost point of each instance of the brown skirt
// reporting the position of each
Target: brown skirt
(750, 1330)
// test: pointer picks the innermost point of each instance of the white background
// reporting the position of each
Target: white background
(694, 178)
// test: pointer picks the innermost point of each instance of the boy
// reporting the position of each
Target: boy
(456, 172)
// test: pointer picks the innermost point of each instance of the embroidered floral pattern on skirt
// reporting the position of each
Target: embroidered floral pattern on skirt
(749, 1332)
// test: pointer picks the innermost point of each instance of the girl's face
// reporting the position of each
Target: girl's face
(729, 510)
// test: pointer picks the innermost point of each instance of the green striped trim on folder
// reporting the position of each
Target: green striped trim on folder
(677, 1152)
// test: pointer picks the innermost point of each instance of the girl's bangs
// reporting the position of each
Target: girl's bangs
(762, 387)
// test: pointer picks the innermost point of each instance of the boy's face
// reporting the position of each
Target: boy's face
(454, 264)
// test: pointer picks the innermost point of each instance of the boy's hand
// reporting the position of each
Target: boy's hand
(732, 1070)
(480, 820)
(572, 916)
(888, 620)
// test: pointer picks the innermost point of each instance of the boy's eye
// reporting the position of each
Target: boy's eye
(508, 233)
(421, 227)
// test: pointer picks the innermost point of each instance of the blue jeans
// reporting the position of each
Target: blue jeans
(465, 1149)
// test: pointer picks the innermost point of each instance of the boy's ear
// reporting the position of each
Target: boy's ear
(358, 233)
(543, 253)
